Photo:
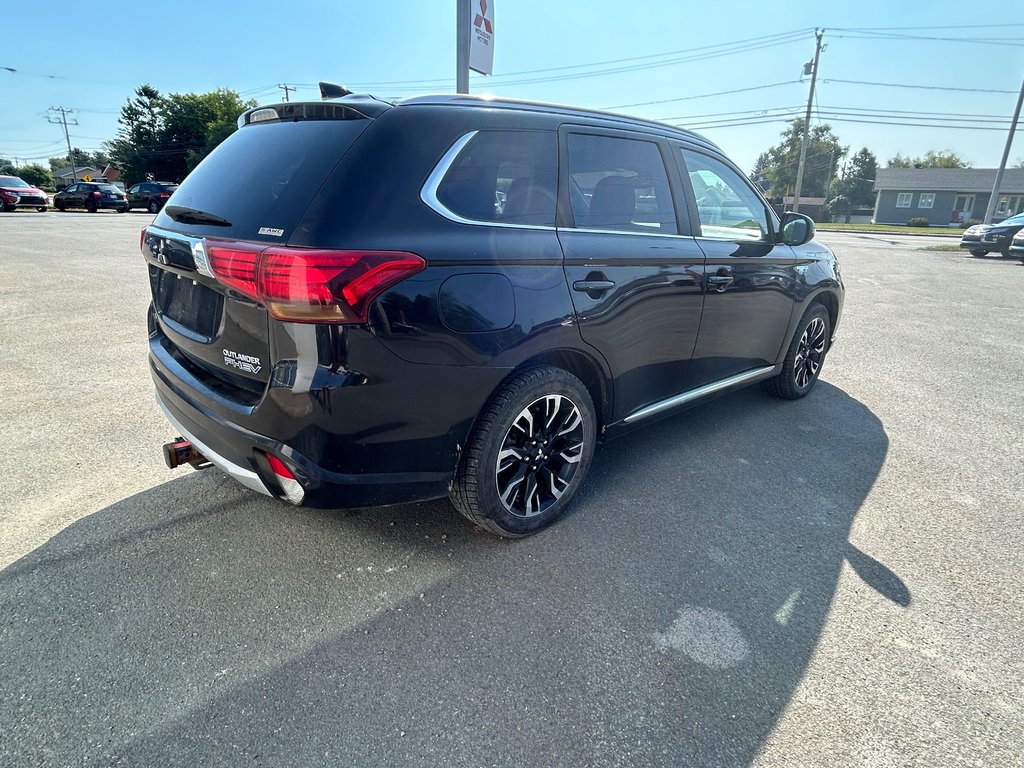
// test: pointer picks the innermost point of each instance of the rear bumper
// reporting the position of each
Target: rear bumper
(237, 452)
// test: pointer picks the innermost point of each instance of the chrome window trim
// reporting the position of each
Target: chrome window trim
(428, 194)
(693, 394)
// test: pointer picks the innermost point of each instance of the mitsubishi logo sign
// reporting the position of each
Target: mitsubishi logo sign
(481, 39)
(481, 18)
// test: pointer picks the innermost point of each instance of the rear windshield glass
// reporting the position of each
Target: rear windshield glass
(262, 177)
(108, 188)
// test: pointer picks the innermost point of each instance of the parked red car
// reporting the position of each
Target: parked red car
(18, 193)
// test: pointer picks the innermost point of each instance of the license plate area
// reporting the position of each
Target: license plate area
(187, 303)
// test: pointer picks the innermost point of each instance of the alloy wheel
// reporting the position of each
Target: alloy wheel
(809, 352)
(540, 455)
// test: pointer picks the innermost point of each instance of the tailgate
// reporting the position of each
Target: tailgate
(212, 326)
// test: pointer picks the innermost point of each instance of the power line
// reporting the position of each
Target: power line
(921, 87)
(704, 95)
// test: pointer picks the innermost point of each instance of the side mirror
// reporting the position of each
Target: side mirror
(796, 228)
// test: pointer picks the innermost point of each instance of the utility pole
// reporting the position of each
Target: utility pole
(63, 120)
(462, 31)
(807, 120)
(1002, 163)
(285, 87)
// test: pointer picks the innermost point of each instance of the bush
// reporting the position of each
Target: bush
(918, 221)
(969, 223)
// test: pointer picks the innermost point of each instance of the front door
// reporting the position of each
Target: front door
(749, 280)
(963, 208)
(633, 269)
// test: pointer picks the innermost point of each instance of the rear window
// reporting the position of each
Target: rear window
(263, 177)
(504, 176)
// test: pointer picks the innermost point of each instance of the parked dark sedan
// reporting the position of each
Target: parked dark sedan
(17, 193)
(992, 238)
(92, 196)
(150, 195)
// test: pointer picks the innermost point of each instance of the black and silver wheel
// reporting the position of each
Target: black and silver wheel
(41, 208)
(978, 252)
(154, 206)
(805, 356)
(528, 454)
(59, 205)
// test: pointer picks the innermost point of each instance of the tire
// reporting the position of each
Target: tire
(41, 209)
(544, 409)
(153, 207)
(59, 206)
(91, 208)
(122, 210)
(978, 252)
(805, 356)
(8, 208)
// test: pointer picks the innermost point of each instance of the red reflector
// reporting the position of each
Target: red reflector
(142, 239)
(279, 468)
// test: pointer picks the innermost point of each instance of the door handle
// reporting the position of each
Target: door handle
(593, 288)
(719, 282)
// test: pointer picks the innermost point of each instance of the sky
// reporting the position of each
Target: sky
(657, 59)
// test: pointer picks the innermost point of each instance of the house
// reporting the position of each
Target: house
(63, 176)
(945, 196)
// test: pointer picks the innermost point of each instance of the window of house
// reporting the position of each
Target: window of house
(619, 184)
(504, 176)
(903, 199)
(927, 200)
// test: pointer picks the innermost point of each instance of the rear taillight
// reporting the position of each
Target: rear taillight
(165, 194)
(301, 285)
(97, 194)
(142, 239)
(293, 490)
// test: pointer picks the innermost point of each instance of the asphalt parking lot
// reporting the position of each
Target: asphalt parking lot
(835, 581)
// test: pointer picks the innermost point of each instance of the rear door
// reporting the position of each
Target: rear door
(749, 281)
(250, 193)
(633, 267)
(133, 195)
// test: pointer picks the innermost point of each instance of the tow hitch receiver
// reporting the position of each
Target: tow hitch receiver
(181, 451)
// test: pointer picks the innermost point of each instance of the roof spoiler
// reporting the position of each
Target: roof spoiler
(332, 91)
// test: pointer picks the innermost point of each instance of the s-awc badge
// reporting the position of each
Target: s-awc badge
(246, 363)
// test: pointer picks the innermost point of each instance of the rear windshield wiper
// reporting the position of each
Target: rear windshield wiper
(184, 215)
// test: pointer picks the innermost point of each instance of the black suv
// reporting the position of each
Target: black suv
(91, 195)
(150, 195)
(359, 303)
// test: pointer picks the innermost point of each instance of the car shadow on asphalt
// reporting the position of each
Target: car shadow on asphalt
(666, 620)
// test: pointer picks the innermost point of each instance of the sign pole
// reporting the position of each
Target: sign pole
(462, 32)
(991, 208)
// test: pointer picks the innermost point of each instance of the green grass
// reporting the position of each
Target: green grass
(940, 248)
(891, 228)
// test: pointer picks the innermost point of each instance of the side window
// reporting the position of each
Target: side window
(71, 188)
(727, 206)
(619, 184)
(134, 190)
(504, 176)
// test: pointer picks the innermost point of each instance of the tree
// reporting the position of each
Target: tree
(167, 136)
(777, 166)
(82, 159)
(7, 168)
(36, 175)
(944, 158)
(857, 179)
